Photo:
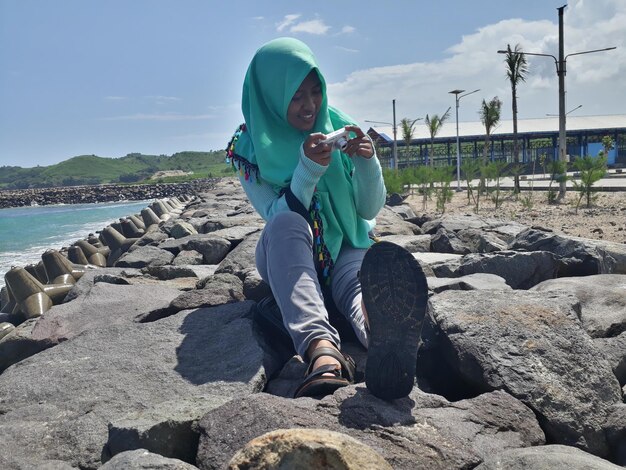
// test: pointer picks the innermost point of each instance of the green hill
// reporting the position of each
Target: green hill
(134, 167)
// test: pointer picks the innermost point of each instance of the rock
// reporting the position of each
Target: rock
(616, 433)
(519, 270)
(403, 210)
(106, 304)
(142, 459)
(478, 281)
(412, 243)
(447, 242)
(165, 273)
(419, 432)
(531, 345)
(479, 241)
(104, 374)
(182, 229)
(242, 259)
(304, 449)
(18, 345)
(213, 249)
(255, 288)
(144, 256)
(545, 458)
(103, 275)
(187, 257)
(614, 349)
(242, 224)
(613, 254)
(602, 301)
(222, 288)
(165, 428)
(575, 259)
(388, 223)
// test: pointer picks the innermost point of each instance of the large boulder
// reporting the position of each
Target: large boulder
(144, 256)
(57, 405)
(545, 458)
(533, 346)
(419, 432)
(602, 301)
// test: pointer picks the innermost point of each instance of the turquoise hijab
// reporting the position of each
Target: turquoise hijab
(270, 142)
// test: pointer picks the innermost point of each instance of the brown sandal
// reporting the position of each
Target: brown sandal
(316, 384)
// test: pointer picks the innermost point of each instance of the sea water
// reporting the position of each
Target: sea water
(26, 232)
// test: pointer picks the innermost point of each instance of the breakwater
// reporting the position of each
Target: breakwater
(100, 193)
(160, 356)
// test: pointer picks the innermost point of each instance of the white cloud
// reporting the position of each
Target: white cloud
(317, 27)
(347, 49)
(288, 20)
(348, 29)
(593, 80)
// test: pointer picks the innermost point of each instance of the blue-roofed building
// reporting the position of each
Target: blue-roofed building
(538, 138)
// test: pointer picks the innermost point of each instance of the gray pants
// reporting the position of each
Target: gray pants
(284, 259)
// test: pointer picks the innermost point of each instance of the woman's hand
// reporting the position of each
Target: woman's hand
(319, 153)
(360, 145)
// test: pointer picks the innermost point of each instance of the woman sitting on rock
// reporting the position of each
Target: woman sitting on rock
(318, 202)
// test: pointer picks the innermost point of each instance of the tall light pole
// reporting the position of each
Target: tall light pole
(567, 113)
(561, 71)
(395, 134)
(456, 94)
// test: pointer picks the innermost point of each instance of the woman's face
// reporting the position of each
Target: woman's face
(305, 103)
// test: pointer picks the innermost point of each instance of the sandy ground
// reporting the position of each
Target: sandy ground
(604, 220)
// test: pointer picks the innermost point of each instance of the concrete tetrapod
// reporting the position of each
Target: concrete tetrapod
(5, 329)
(76, 255)
(129, 229)
(149, 217)
(137, 221)
(96, 256)
(160, 210)
(58, 268)
(37, 273)
(117, 242)
(28, 292)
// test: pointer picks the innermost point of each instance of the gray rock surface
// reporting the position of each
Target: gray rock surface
(545, 458)
(142, 459)
(165, 428)
(419, 432)
(532, 346)
(478, 281)
(106, 304)
(107, 373)
(412, 243)
(144, 256)
(614, 350)
(219, 289)
(602, 301)
(520, 270)
(240, 260)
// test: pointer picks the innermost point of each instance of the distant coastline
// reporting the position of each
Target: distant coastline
(100, 193)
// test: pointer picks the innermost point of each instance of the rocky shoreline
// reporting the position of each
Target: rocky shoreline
(158, 359)
(100, 193)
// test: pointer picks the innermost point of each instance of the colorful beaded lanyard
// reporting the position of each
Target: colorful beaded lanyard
(249, 170)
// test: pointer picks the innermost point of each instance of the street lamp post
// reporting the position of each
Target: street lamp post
(567, 113)
(456, 94)
(560, 71)
(395, 134)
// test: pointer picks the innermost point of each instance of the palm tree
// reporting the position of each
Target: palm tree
(516, 72)
(408, 128)
(489, 116)
(434, 125)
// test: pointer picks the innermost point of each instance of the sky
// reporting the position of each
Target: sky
(109, 78)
